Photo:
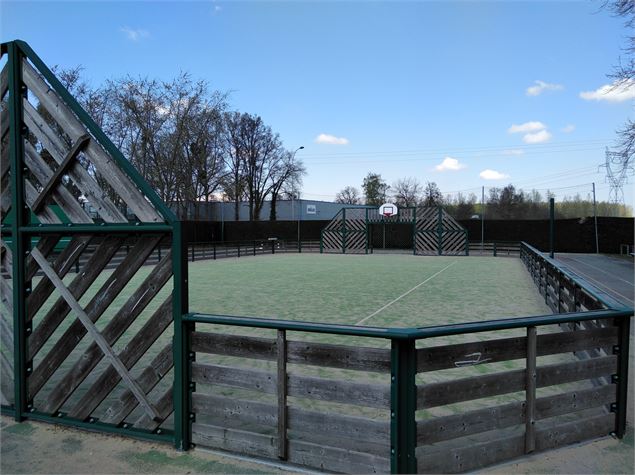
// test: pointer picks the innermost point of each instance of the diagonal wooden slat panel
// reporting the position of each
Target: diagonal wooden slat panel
(124, 317)
(66, 201)
(149, 378)
(133, 351)
(80, 176)
(105, 165)
(139, 394)
(80, 284)
(163, 405)
(6, 379)
(6, 331)
(4, 80)
(95, 308)
(62, 265)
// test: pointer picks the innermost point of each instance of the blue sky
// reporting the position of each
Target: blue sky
(461, 93)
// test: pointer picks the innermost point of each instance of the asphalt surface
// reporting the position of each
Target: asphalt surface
(612, 274)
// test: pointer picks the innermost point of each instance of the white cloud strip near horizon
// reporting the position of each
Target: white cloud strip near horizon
(541, 86)
(134, 35)
(514, 151)
(537, 137)
(614, 92)
(331, 139)
(568, 129)
(532, 126)
(449, 164)
(492, 175)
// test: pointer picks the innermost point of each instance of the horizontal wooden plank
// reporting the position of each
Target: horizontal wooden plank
(339, 356)
(476, 387)
(345, 392)
(232, 440)
(362, 394)
(336, 459)
(300, 452)
(316, 354)
(504, 349)
(234, 413)
(482, 420)
(475, 455)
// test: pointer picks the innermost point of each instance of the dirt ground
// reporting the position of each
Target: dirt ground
(38, 448)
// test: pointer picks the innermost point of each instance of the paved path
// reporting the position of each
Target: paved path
(612, 274)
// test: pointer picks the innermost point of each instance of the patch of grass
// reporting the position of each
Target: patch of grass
(153, 461)
(25, 429)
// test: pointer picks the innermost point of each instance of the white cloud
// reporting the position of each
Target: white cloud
(533, 126)
(331, 139)
(449, 164)
(541, 86)
(568, 129)
(612, 92)
(537, 137)
(515, 151)
(134, 35)
(492, 175)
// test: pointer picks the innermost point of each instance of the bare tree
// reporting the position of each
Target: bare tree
(349, 195)
(431, 195)
(624, 74)
(287, 178)
(406, 191)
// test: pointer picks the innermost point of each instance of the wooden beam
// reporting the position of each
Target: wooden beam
(62, 196)
(133, 351)
(124, 317)
(80, 176)
(61, 170)
(95, 335)
(148, 379)
(104, 164)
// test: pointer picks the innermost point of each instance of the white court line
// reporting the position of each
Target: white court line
(403, 295)
(598, 268)
(602, 286)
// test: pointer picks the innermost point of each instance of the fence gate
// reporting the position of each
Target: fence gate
(82, 345)
(357, 230)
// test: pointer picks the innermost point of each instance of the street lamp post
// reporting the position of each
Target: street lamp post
(293, 197)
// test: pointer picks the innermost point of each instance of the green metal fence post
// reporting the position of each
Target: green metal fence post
(343, 230)
(19, 242)
(494, 248)
(366, 228)
(181, 343)
(552, 214)
(322, 242)
(622, 376)
(440, 229)
(467, 243)
(414, 231)
(403, 402)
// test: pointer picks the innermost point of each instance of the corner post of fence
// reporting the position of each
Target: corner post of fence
(467, 244)
(299, 246)
(214, 251)
(495, 250)
(366, 229)
(281, 347)
(181, 346)
(322, 242)
(403, 402)
(530, 390)
(20, 242)
(440, 229)
(621, 378)
(343, 230)
(254, 247)
(552, 226)
(414, 231)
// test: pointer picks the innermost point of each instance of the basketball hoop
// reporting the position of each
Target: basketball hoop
(388, 210)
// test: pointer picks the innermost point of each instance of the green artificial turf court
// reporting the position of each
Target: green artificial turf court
(374, 290)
